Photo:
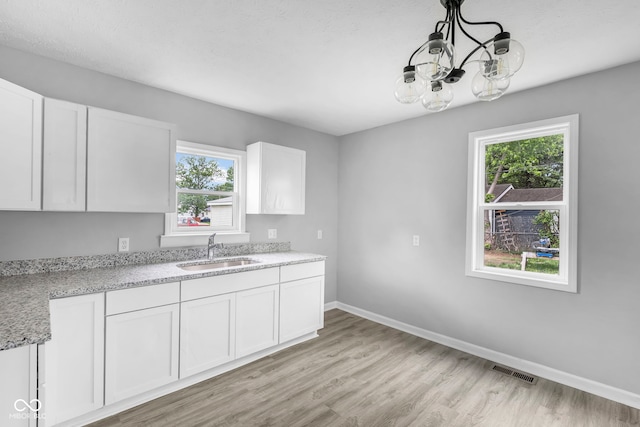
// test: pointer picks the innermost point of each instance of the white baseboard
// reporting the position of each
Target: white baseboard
(331, 305)
(584, 384)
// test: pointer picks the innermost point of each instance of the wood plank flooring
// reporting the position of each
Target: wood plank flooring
(360, 373)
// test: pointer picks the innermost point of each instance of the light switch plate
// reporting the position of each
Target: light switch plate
(272, 233)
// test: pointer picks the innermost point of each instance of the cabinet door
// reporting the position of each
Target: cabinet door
(207, 333)
(275, 179)
(141, 351)
(21, 148)
(18, 373)
(65, 156)
(130, 163)
(301, 307)
(74, 357)
(256, 319)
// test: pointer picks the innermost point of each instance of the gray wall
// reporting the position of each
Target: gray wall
(411, 178)
(413, 172)
(26, 235)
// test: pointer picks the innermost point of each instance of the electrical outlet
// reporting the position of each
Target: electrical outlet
(272, 233)
(319, 234)
(416, 240)
(123, 244)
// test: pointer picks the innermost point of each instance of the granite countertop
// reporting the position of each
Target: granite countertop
(24, 313)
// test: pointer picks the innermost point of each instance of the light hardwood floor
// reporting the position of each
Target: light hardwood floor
(360, 373)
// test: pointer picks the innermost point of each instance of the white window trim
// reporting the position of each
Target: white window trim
(567, 279)
(172, 238)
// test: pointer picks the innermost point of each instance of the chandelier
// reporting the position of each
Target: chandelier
(431, 69)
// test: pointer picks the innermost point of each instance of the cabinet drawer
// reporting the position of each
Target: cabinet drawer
(143, 297)
(301, 271)
(223, 284)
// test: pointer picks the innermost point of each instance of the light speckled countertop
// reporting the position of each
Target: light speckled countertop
(24, 299)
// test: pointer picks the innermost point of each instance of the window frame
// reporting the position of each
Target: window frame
(179, 237)
(566, 280)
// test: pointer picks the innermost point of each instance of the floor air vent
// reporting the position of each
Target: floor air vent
(530, 379)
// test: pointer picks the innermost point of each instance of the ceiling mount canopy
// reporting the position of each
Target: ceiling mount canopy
(432, 67)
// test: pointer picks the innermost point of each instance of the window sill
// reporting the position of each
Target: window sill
(186, 240)
(531, 279)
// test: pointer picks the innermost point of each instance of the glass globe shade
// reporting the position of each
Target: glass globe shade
(487, 89)
(409, 86)
(436, 59)
(437, 98)
(502, 59)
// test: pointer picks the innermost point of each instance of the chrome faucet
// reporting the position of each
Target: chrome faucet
(212, 246)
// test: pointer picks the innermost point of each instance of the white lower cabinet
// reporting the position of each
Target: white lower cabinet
(18, 387)
(301, 307)
(73, 368)
(256, 319)
(207, 333)
(142, 345)
(107, 347)
(141, 351)
(301, 299)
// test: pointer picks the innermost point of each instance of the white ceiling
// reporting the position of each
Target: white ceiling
(328, 65)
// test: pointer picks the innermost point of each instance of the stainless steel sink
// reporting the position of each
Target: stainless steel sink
(214, 265)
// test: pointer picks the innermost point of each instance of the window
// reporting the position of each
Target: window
(209, 196)
(522, 204)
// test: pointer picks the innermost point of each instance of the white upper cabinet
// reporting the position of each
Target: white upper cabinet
(65, 156)
(130, 163)
(21, 148)
(275, 179)
(91, 159)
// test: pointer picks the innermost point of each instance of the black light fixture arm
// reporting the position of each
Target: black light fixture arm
(479, 23)
(442, 24)
(480, 46)
(415, 52)
(469, 36)
(459, 18)
(446, 21)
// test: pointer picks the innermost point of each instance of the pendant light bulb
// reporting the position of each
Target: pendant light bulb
(487, 89)
(436, 59)
(438, 97)
(410, 86)
(502, 58)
